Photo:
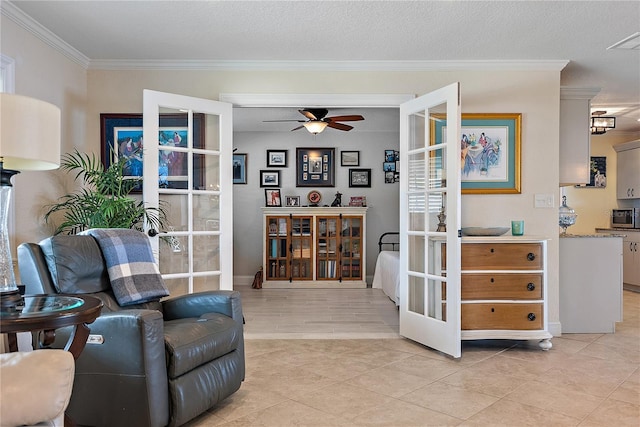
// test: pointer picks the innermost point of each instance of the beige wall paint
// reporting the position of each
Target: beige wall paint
(43, 73)
(593, 205)
(534, 94)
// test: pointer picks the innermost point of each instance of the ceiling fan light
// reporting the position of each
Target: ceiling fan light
(315, 126)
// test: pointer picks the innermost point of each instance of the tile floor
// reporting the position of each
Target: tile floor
(384, 380)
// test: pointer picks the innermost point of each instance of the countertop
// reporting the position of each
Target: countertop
(598, 235)
(623, 230)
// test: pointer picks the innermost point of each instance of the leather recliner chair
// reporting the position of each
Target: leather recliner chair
(153, 364)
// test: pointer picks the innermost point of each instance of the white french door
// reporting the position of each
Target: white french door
(429, 189)
(187, 172)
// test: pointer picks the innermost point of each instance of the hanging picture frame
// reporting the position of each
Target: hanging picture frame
(315, 167)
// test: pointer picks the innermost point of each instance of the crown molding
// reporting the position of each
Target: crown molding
(26, 22)
(567, 92)
(13, 13)
(412, 65)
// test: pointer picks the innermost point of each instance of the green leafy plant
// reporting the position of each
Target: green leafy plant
(104, 201)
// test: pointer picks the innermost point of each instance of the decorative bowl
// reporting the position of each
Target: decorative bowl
(484, 231)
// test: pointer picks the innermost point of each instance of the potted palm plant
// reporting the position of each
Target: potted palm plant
(104, 200)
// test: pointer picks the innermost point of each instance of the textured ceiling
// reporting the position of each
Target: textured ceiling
(180, 30)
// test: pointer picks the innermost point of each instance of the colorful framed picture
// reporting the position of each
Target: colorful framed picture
(315, 167)
(349, 158)
(276, 158)
(292, 201)
(359, 177)
(121, 138)
(239, 168)
(490, 157)
(272, 197)
(269, 178)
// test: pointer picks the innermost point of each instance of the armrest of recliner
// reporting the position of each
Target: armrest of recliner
(122, 365)
(197, 304)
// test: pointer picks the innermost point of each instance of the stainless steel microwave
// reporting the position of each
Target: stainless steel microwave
(625, 218)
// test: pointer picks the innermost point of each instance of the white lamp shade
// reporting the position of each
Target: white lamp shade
(29, 133)
(315, 126)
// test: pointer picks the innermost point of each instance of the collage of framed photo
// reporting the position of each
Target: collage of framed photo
(391, 166)
(315, 167)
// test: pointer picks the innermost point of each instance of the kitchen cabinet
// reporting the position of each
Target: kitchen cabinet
(314, 247)
(575, 135)
(590, 283)
(504, 289)
(628, 170)
(631, 260)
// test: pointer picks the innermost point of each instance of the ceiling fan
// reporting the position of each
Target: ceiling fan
(318, 120)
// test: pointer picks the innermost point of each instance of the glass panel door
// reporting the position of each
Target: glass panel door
(301, 243)
(429, 221)
(187, 173)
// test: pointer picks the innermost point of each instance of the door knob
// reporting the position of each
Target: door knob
(152, 232)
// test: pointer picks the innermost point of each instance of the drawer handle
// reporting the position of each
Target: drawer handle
(531, 316)
(492, 280)
(531, 286)
(492, 250)
(531, 256)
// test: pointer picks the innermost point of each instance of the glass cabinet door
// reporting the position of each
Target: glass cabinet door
(277, 248)
(301, 241)
(351, 248)
(326, 247)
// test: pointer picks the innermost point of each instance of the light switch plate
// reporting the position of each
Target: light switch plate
(544, 201)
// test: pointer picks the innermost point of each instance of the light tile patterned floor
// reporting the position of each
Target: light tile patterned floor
(383, 380)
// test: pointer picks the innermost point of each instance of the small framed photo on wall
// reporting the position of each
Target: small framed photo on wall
(359, 177)
(272, 197)
(269, 178)
(276, 158)
(239, 168)
(349, 158)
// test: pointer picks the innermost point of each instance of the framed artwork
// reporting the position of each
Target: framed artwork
(349, 158)
(269, 178)
(359, 177)
(315, 167)
(292, 201)
(389, 166)
(490, 157)
(239, 168)
(272, 197)
(276, 158)
(391, 155)
(121, 137)
(597, 172)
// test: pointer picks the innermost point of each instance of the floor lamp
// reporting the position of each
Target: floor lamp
(29, 140)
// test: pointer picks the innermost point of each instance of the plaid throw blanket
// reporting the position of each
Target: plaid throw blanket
(133, 273)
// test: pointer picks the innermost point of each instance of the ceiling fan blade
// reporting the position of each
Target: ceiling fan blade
(299, 127)
(352, 118)
(314, 113)
(339, 126)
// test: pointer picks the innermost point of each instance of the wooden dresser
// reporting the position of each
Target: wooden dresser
(503, 289)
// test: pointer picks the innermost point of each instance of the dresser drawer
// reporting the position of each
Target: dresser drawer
(525, 286)
(501, 256)
(502, 316)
